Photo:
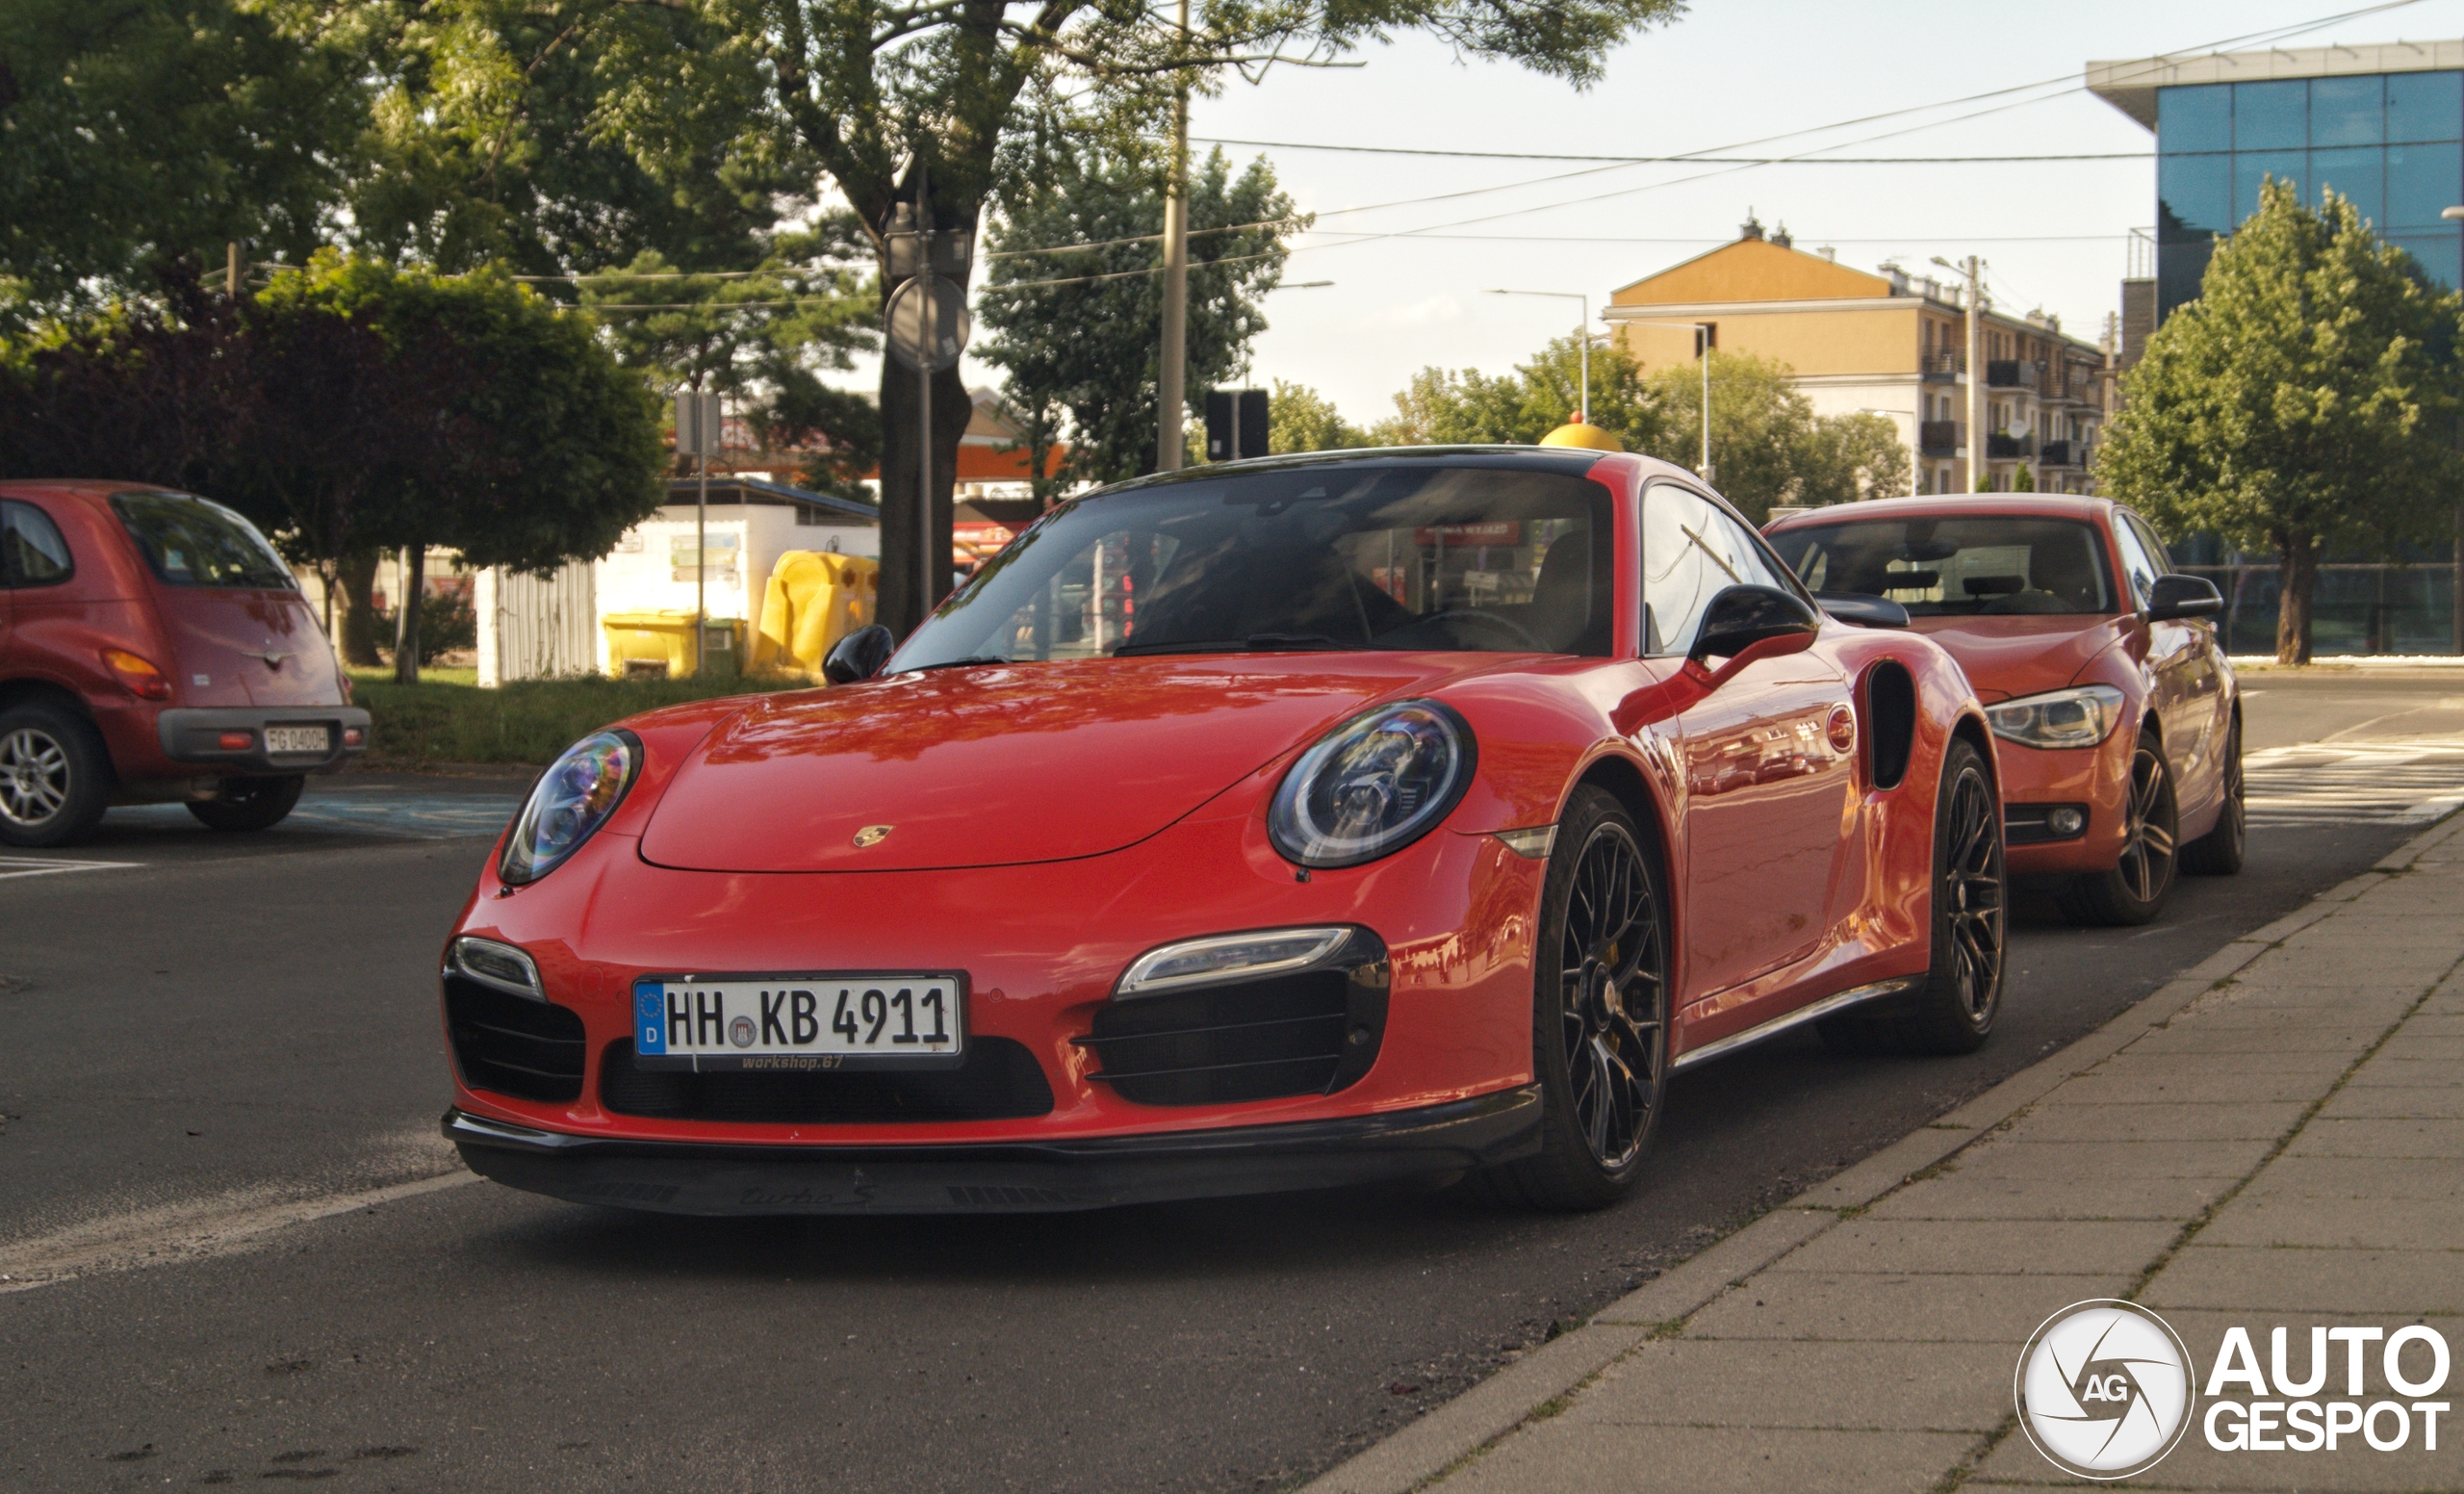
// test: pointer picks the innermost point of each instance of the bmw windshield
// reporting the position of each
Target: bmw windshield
(1985, 566)
(1412, 555)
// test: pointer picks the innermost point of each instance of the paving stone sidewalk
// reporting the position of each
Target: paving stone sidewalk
(2277, 1137)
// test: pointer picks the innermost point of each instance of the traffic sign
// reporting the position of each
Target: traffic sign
(928, 324)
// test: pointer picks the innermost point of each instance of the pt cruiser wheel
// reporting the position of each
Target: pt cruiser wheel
(53, 776)
(1600, 1028)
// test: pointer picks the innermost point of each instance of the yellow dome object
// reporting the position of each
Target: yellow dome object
(1577, 433)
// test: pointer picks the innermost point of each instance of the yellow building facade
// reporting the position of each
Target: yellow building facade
(1886, 343)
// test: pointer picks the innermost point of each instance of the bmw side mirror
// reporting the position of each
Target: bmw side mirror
(1764, 619)
(859, 655)
(1864, 612)
(2183, 595)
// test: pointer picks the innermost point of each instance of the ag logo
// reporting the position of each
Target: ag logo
(2104, 1389)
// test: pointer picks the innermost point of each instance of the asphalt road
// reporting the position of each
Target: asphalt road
(220, 1050)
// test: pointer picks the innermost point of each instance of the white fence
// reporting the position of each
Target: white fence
(533, 628)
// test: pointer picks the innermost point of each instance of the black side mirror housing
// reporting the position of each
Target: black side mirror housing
(2183, 595)
(859, 655)
(1745, 615)
(1850, 607)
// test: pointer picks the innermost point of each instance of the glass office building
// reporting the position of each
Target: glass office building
(2393, 142)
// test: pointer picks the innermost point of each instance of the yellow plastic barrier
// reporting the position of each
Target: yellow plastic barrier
(814, 600)
(660, 644)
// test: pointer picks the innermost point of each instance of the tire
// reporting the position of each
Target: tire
(55, 776)
(2219, 852)
(1952, 1013)
(250, 803)
(1599, 1016)
(2140, 886)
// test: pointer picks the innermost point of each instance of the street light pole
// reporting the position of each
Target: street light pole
(1702, 331)
(1583, 336)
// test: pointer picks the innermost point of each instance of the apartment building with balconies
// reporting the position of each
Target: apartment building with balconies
(1884, 342)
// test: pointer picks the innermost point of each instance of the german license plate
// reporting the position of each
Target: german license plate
(297, 739)
(799, 1022)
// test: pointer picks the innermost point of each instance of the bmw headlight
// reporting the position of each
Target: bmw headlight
(573, 798)
(2063, 718)
(1372, 785)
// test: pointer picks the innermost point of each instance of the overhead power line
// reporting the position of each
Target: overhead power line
(1528, 155)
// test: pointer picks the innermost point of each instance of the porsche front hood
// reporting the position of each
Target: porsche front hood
(2006, 658)
(1000, 765)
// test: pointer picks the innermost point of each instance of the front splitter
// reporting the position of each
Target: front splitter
(701, 1178)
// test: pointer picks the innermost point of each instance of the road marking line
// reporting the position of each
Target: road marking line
(37, 866)
(2408, 781)
(176, 1234)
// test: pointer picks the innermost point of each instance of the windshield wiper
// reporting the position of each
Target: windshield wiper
(1256, 642)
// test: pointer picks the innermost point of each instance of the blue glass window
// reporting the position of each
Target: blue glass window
(2271, 116)
(2359, 173)
(2252, 166)
(2437, 253)
(2347, 111)
(2424, 106)
(2195, 119)
(2422, 182)
(2195, 197)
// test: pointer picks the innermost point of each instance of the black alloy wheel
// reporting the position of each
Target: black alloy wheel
(53, 776)
(250, 803)
(2141, 881)
(2219, 852)
(1601, 1010)
(1952, 1013)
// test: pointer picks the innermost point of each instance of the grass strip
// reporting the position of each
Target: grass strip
(447, 718)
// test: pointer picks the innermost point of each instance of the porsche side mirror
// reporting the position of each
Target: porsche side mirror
(1763, 618)
(1850, 607)
(2183, 595)
(859, 655)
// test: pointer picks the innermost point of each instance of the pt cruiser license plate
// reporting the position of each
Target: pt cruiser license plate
(799, 1022)
(297, 739)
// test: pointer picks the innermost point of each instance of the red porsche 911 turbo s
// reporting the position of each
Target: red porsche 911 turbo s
(2120, 719)
(1279, 824)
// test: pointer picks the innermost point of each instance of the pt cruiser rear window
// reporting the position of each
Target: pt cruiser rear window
(191, 541)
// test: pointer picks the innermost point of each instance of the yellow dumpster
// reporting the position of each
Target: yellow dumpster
(659, 645)
(814, 600)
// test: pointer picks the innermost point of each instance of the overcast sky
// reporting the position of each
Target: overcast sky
(1729, 72)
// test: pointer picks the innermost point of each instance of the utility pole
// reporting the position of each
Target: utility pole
(1171, 395)
(235, 265)
(924, 562)
(1974, 268)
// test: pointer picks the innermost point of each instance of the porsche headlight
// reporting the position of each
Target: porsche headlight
(573, 798)
(2063, 718)
(1372, 785)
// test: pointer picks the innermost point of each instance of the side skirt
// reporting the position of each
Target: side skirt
(1815, 1012)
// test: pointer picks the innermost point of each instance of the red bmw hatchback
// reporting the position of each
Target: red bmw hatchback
(2120, 718)
(153, 647)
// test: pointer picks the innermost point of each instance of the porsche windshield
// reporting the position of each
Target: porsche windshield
(1986, 565)
(1408, 555)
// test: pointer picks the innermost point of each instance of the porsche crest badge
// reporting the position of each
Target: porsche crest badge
(871, 836)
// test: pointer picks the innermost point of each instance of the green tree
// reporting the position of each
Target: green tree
(141, 131)
(2305, 400)
(1300, 419)
(552, 448)
(1760, 426)
(1077, 330)
(1446, 407)
(1847, 457)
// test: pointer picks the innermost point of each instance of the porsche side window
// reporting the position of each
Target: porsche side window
(1691, 552)
(31, 551)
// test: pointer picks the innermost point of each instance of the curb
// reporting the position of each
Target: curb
(1418, 1453)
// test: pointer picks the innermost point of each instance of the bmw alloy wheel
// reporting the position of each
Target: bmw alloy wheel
(2146, 864)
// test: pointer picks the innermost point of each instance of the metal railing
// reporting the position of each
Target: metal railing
(2005, 446)
(2011, 374)
(1940, 438)
(1936, 367)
